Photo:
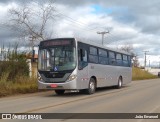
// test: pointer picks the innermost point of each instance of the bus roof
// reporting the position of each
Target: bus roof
(93, 44)
(103, 47)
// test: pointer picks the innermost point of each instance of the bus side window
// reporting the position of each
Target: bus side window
(125, 61)
(129, 61)
(119, 59)
(83, 62)
(85, 56)
(82, 55)
(112, 58)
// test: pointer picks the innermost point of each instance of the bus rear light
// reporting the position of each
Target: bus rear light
(53, 85)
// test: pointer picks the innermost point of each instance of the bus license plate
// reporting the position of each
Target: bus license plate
(53, 85)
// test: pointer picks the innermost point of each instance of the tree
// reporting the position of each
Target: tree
(129, 49)
(135, 60)
(126, 48)
(31, 20)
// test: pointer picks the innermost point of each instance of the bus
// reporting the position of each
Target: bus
(71, 64)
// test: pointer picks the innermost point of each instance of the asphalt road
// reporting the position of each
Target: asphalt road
(136, 97)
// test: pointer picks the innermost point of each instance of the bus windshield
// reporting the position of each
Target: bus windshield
(57, 58)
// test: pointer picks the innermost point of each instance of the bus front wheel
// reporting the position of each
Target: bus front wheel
(91, 87)
(59, 92)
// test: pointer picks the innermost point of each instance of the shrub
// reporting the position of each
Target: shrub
(16, 65)
(14, 75)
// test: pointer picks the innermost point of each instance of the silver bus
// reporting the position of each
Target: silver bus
(70, 64)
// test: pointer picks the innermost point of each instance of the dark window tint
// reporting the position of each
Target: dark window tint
(129, 61)
(93, 50)
(119, 61)
(93, 59)
(125, 63)
(112, 61)
(85, 56)
(119, 56)
(129, 58)
(125, 57)
(82, 55)
(102, 53)
(111, 55)
(103, 60)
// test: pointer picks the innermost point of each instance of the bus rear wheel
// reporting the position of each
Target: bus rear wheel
(59, 92)
(120, 82)
(91, 87)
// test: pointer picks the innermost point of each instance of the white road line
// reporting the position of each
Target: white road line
(154, 109)
(151, 111)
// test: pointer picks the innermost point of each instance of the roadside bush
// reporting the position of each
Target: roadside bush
(16, 65)
(14, 75)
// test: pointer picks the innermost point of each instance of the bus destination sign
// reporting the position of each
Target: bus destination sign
(56, 43)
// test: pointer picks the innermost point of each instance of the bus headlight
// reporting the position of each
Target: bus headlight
(72, 77)
(39, 77)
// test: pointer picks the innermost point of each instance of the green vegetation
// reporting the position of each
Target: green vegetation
(21, 84)
(14, 75)
(139, 74)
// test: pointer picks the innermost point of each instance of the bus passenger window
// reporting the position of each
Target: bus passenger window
(83, 55)
(112, 59)
(125, 61)
(82, 59)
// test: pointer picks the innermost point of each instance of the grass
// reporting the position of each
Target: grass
(139, 74)
(22, 85)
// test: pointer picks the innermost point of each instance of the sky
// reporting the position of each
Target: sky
(135, 23)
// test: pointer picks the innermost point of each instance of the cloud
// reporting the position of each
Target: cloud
(130, 22)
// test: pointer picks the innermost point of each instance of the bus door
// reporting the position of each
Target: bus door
(82, 66)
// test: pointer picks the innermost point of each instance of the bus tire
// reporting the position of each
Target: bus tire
(120, 82)
(59, 92)
(91, 87)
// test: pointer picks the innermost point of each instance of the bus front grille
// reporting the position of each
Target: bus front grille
(54, 75)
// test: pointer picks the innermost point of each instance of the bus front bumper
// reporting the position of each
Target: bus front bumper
(70, 85)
